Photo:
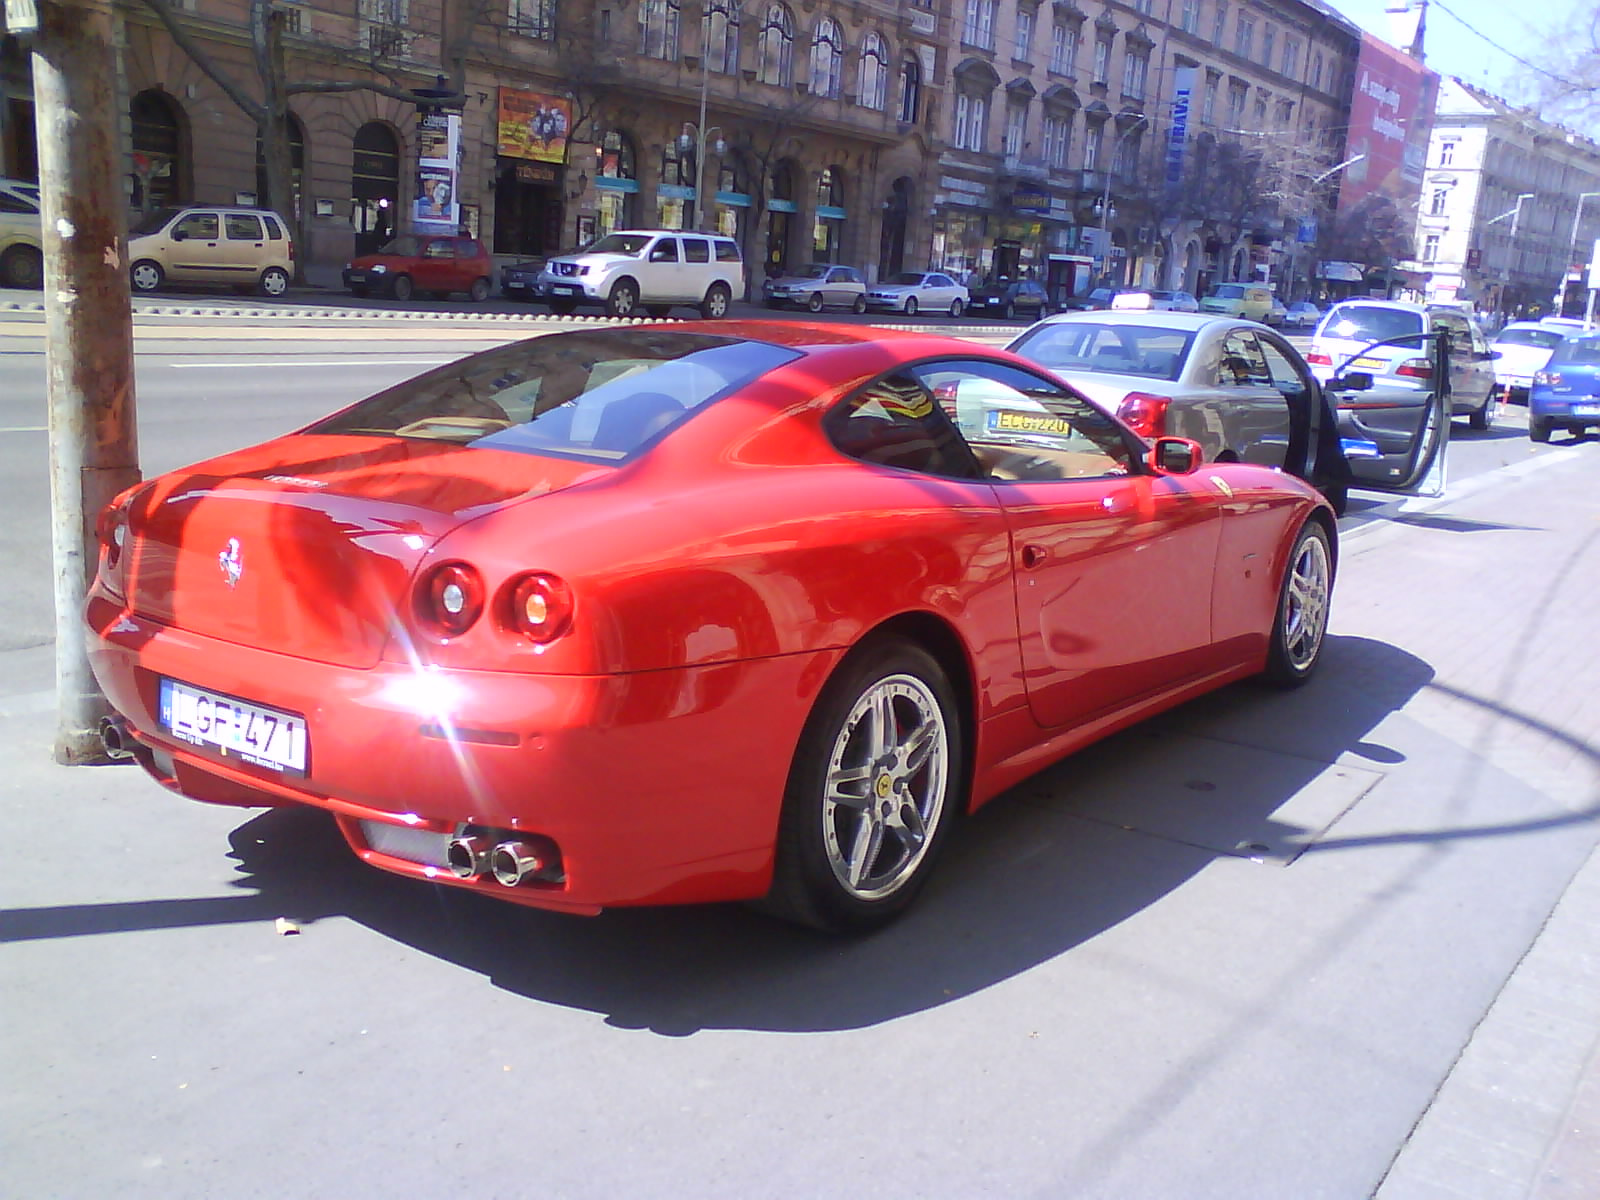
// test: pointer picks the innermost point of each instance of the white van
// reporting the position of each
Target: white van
(653, 269)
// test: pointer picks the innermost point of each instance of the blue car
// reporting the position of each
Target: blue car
(1566, 393)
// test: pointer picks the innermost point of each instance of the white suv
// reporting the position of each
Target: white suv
(652, 269)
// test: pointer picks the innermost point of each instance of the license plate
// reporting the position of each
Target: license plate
(358, 276)
(1586, 410)
(515, 283)
(564, 287)
(267, 737)
(1368, 364)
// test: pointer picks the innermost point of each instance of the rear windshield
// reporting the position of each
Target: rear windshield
(1370, 323)
(1580, 350)
(1149, 351)
(1545, 339)
(598, 395)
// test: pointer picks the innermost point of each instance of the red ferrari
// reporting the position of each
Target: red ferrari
(687, 613)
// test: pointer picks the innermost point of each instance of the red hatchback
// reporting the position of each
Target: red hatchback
(413, 263)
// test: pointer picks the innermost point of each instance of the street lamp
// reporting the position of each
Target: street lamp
(1572, 253)
(1137, 122)
(699, 143)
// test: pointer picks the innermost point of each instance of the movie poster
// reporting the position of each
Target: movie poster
(437, 208)
(533, 125)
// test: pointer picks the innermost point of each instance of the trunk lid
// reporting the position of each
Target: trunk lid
(307, 545)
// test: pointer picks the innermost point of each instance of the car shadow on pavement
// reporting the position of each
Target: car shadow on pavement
(1034, 874)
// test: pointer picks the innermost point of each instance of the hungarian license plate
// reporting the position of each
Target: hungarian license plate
(516, 283)
(358, 276)
(1367, 364)
(568, 288)
(1586, 410)
(267, 737)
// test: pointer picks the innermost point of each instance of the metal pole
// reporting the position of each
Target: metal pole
(700, 150)
(88, 330)
(1572, 251)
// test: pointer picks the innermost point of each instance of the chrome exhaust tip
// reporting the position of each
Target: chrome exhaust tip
(116, 739)
(513, 862)
(468, 857)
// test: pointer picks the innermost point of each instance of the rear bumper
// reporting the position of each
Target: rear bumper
(658, 787)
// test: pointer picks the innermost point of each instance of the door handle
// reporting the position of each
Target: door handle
(1033, 556)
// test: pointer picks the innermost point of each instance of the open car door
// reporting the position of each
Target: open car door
(1384, 438)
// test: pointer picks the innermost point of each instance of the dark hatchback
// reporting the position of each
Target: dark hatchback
(1566, 393)
(1009, 298)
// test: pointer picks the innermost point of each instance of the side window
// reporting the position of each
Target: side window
(728, 251)
(274, 230)
(1019, 427)
(1286, 377)
(201, 226)
(440, 248)
(242, 227)
(665, 251)
(1460, 334)
(466, 248)
(940, 281)
(894, 422)
(1243, 364)
(15, 204)
(695, 250)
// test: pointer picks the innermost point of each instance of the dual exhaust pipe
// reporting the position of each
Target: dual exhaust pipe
(512, 861)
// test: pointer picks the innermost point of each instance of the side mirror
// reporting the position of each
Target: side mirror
(1356, 381)
(1175, 456)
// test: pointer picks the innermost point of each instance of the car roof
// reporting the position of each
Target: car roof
(679, 232)
(1164, 318)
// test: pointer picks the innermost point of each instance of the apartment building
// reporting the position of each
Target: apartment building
(1510, 206)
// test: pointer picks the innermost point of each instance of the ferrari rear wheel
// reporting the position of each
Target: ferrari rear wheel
(1302, 618)
(877, 781)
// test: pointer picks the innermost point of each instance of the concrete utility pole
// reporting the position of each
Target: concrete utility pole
(88, 325)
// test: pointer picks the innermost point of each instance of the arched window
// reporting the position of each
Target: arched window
(658, 28)
(874, 72)
(777, 46)
(910, 91)
(374, 185)
(721, 35)
(158, 159)
(827, 58)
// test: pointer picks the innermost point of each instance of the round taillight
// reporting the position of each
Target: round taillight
(541, 607)
(452, 598)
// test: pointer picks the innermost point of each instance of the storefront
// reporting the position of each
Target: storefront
(827, 227)
(531, 152)
(617, 184)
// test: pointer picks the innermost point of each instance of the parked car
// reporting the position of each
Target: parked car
(816, 287)
(1240, 391)
(21, 240)
(414, 263)
(244, 248)
(520, 280)
(1097, 298)
(1247, 301)
(1010, 298)
(1277, 315)
(911, 292)
(1302, 314)
(481, 571)
(653, 269)
(1566, 390)
(1153, 300)
(1343, 341)
(1522, 348)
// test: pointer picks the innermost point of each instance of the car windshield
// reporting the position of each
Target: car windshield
(1545, 339)
(1228, 292)
(814, 271)
(404, 246)
(1580, 351)
(154, 222)
(1371, 323)
(1106, 347)
(906, 277)
(629, 244)
(596, 395)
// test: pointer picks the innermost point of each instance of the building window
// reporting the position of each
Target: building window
(1063, 48)
(1436, 201)
(1024, 33)
(1430, 248)
(1208, 104)
(972, 114)
(1219, 25)
(1091, 147)
(776, 46)
(1261, 114)
(874, 72)
(1056, 136)
(1447, 154)
(658, 29)
(1316, 72)
(532, 18)
(721, 30)
(1236, 102)
(1135, 70)
(979, 28)
(1125, 155)
(1189, 20)
(1102, 59)
(1285, 113)
(1269, 43)
(1291, 58)
(827, 58)
(910, 91)
(1244, 36)
(1016, 126)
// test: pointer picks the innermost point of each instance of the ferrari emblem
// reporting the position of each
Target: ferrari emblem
(231, 562)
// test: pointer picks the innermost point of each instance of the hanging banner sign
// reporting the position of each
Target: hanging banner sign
(437, 208)
(533, 125)
(1177, 135)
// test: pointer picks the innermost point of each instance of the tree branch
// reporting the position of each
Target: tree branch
(180, 34)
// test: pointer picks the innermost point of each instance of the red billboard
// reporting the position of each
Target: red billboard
(1391, 116)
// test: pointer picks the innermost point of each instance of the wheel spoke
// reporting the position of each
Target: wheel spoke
(883, 724)
(920, 745)
(911, 824)
(865, 847)
(850, 786)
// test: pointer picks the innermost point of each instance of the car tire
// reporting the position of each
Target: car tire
(22, 267)
(1011, 311)
(658, 310)
(479, 291)
(814, 302)
(860, 305)
(401, 287)
(624, 299)
(911, 306)
(847, 867)
(1302, 610)
(956, 309)
(1482, 418)
(716, 303)
(1539, 429)
(146, 275)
